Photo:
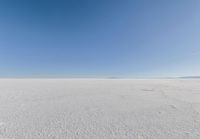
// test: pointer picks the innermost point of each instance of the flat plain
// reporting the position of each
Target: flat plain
(99, 109)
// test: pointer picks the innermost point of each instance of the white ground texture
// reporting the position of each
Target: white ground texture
(99, 109)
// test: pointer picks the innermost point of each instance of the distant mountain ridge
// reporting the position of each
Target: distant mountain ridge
(190, 77)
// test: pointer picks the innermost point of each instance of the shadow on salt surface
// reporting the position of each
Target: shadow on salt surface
(147, 90)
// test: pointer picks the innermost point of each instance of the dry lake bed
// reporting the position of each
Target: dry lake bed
(99, 109)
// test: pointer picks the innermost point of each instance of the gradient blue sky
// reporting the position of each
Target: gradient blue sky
(83, 38)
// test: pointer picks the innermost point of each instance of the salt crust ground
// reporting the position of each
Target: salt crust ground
(99, 109)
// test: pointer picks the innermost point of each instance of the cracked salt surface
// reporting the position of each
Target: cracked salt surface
(99, 109)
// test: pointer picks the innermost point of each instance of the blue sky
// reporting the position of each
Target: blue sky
(99, 38)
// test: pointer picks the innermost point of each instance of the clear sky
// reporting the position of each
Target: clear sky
(83, 38)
